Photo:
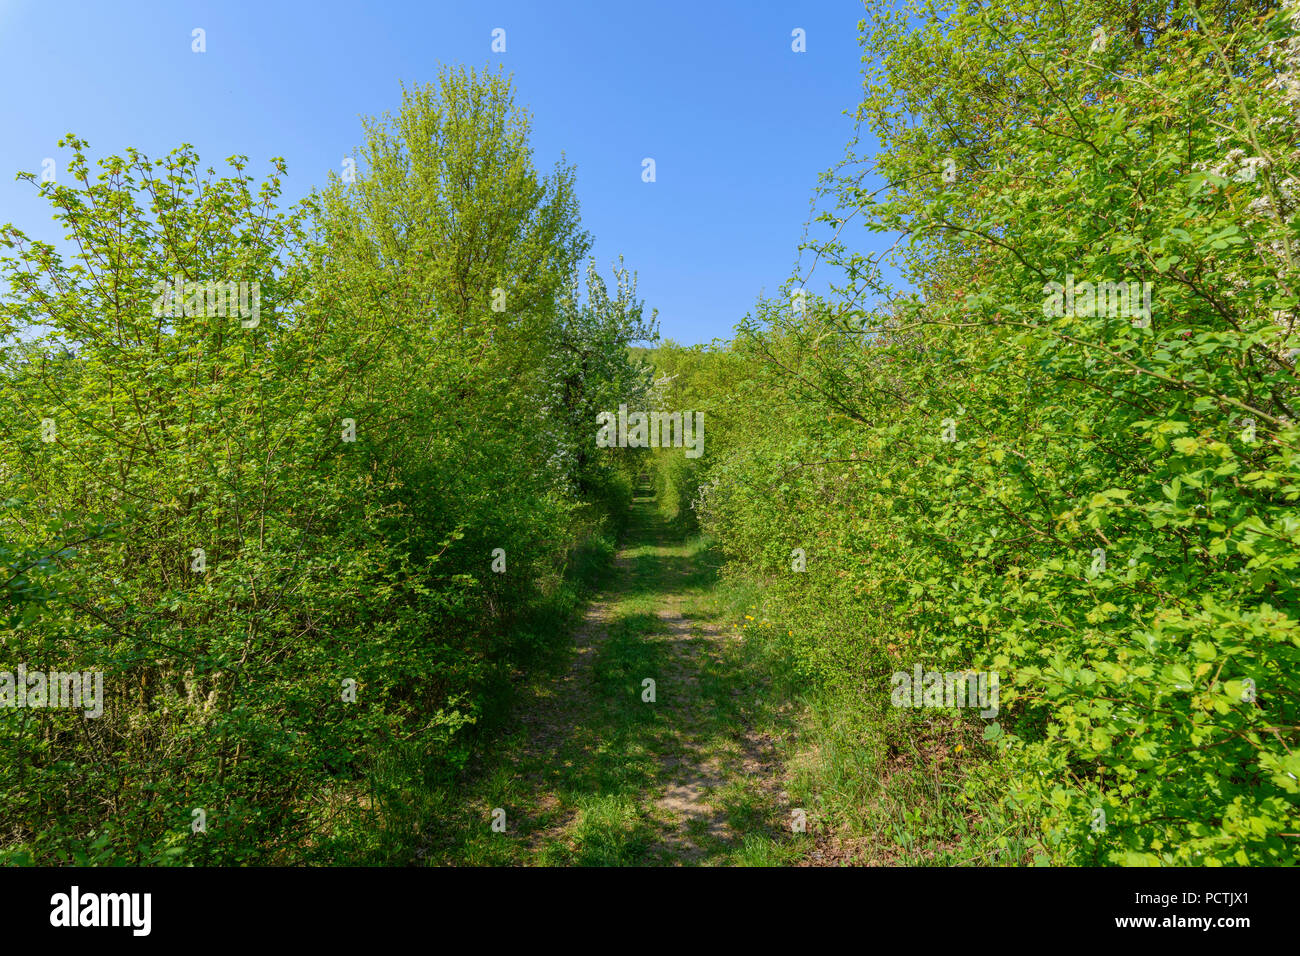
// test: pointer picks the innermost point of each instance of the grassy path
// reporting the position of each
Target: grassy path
(593, 772)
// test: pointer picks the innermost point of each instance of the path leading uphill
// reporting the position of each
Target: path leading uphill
(595, 772)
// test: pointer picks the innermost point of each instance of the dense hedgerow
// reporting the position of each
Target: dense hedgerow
(1099, 507)
(274, 532)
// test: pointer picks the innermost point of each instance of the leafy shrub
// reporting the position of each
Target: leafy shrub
(1101, 509)
(273, 526)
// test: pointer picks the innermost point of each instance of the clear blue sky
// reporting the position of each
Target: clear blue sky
(739, 125)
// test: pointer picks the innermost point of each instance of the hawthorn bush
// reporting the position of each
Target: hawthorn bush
(1097, 504)
(274, 529)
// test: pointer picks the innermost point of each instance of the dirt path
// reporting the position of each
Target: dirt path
(652, 745)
